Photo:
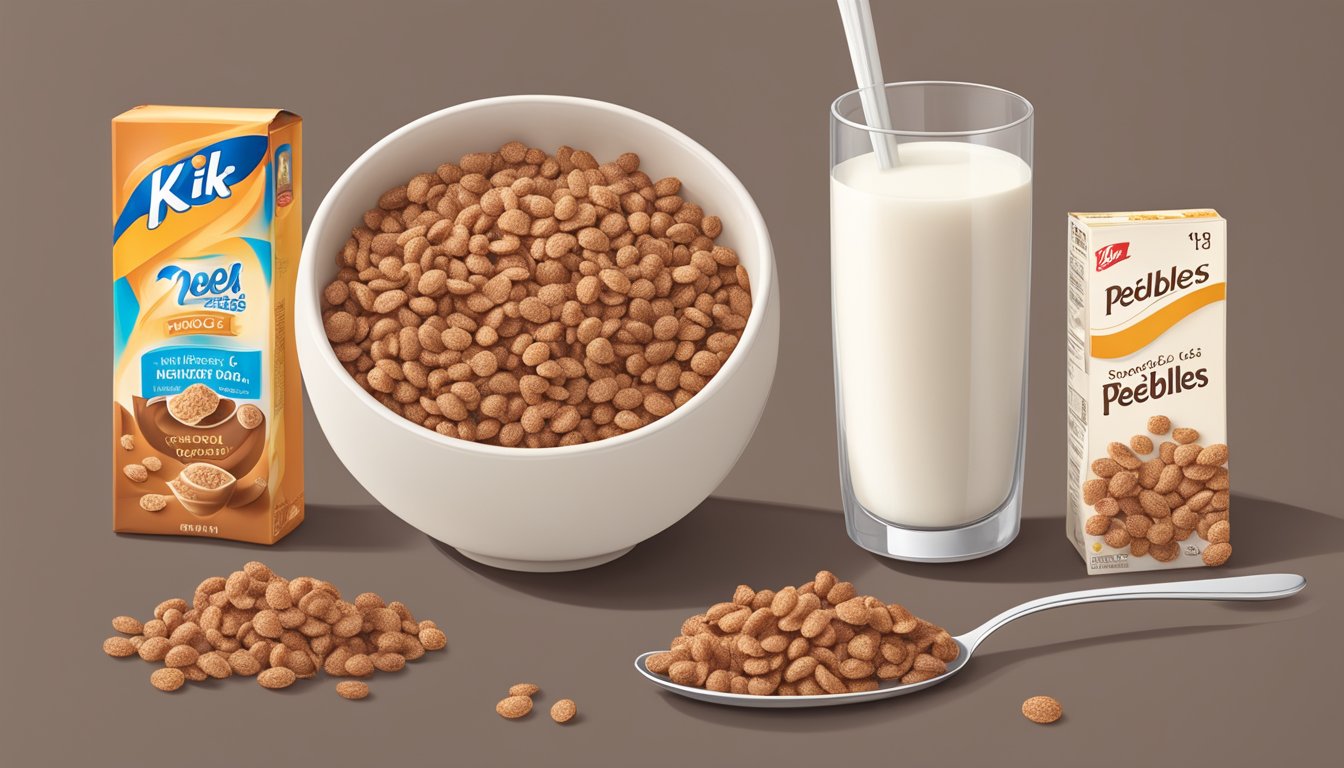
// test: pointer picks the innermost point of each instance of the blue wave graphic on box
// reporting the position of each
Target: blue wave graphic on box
(197, 179)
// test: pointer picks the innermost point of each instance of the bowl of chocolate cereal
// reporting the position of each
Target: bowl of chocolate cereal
(540, 329)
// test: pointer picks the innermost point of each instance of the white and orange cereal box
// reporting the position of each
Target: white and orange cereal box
(1148, 484)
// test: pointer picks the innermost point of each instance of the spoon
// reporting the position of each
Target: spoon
(1267, 586)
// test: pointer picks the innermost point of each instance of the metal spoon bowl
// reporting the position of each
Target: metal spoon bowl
(1268, 586)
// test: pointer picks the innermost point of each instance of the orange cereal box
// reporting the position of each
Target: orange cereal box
(206, 408)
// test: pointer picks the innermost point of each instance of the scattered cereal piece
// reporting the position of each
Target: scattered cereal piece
(119, 647)
(167, 679)
(127, 442)
(276, 678)
(1042, 709)
(153, 502)
(514, 707)
(243, 663)
(433, 639)
(136, 472)
(359, 665)
(215, 664)
(524, 689)
(152, 463)
(352, 689)
(564, 710)
(181, 655)
(128, 625)
(1159, 425)
(155, 648)
(257, 623)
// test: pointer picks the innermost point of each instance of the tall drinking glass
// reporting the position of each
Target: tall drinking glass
(930, 286)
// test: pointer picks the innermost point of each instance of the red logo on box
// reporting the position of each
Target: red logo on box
(1111, 255)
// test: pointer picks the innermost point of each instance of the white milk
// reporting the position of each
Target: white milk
(930, 267)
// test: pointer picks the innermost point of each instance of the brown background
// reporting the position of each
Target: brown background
(1146, 104)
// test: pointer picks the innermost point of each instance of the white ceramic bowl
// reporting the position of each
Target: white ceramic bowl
(541, 509)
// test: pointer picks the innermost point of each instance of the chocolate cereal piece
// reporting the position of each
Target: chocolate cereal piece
(206, 476)
(564, 710)
(193, 404)
(352, 690)
(167, 679)
(1042, 709)
(1216, 554)
(529, 300)
(514, 707)
(276, 678)
(119, 647)
(153, 502)
(250, 416)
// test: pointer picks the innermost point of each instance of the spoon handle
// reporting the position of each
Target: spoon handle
(1266, 586)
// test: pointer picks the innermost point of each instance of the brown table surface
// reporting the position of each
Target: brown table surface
(1153, 682)
(1153, 104)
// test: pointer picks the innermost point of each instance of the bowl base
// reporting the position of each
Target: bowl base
(544, 566)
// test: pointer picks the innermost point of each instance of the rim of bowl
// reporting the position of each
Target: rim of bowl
(761, 283)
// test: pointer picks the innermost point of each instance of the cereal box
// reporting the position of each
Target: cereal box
(1147, 390)
(206, 410)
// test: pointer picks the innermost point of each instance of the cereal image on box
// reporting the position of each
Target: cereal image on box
(205, 229)
(1150, 505)
(1147, 387)
(193, 404)
(250, 416)
(206, 476)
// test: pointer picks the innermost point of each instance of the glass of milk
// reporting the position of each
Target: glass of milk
(930, 286)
